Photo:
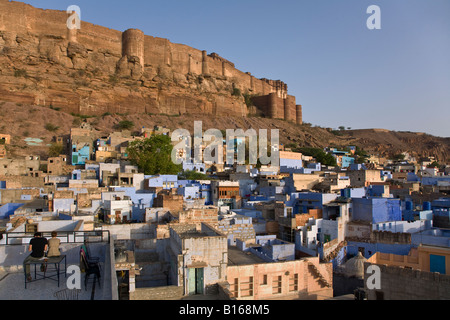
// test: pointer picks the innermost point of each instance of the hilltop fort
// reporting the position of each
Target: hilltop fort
(95, 70)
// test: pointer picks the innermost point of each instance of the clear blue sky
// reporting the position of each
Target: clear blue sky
(396, 78)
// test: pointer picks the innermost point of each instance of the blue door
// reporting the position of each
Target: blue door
(437, 264)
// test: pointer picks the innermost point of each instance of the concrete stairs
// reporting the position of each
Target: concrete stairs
(318, 275)
(335, 252)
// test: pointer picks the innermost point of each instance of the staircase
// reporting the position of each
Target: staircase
(335, 252)
(318, 275)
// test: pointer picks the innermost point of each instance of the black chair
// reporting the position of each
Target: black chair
(90, 268)
(89, 256)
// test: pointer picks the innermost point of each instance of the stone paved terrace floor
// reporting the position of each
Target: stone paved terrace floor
(12, 287)
(12, 279)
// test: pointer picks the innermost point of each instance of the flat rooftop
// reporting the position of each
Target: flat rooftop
(12, 287)
(237, 257)
(12, 278)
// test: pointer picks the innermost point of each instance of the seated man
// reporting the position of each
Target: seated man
(38, 246)
(53, 246)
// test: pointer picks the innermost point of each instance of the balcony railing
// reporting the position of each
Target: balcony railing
(21, 238)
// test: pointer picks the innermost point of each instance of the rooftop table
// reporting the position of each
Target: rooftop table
(54, 272)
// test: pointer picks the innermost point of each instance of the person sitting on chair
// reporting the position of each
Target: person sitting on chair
(53, 246)
(38, 246)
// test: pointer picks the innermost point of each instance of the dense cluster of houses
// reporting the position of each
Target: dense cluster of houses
(298, 230)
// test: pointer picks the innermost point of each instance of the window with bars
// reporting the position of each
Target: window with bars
(234, 288)
(264, 280)
(276, 284)
(247, 287)
(289, 213)
(293, 282)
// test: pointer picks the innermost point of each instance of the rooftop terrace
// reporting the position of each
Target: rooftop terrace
(237, 257)
(12, 279)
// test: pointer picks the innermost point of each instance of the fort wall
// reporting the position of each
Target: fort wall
(46, 31)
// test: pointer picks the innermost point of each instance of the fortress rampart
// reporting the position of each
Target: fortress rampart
(133, 44)
(107, 49)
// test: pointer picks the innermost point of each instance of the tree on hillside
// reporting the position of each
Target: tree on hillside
(361, 155)
(125, 125)
(55, 150)
(193, 175)
(324, 158)
(153, 155)
(435, 164)
(398, 157)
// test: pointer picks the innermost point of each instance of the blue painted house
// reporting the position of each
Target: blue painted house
(375, 210)
(140, 201)
(353, 192)
(312, 200)
(166, 182)
(347, 161)
(80, 156)
(8, 209)
(288, 165)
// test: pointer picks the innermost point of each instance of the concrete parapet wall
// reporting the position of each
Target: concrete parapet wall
(160, 293)
(406, 284)
(390, 237)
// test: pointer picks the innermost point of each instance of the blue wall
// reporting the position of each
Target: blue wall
(432, 181)
(141, 201)
(353, 192)
(443, 203)
(312, 200)
(376, 210)
(375, 191)
(290, 165)
(161, 181)
(8, 209)
(189, 191)
(371, 248)
(79, 157)
(347, 161)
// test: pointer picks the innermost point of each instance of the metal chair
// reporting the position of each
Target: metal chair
(90, 268)
(89, 256)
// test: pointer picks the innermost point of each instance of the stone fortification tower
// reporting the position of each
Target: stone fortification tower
(133, 44)
(299, 114)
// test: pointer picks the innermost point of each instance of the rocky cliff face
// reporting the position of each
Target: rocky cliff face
(95, 70)
(45, 70)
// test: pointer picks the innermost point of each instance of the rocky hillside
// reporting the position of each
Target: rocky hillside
(33, 128)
